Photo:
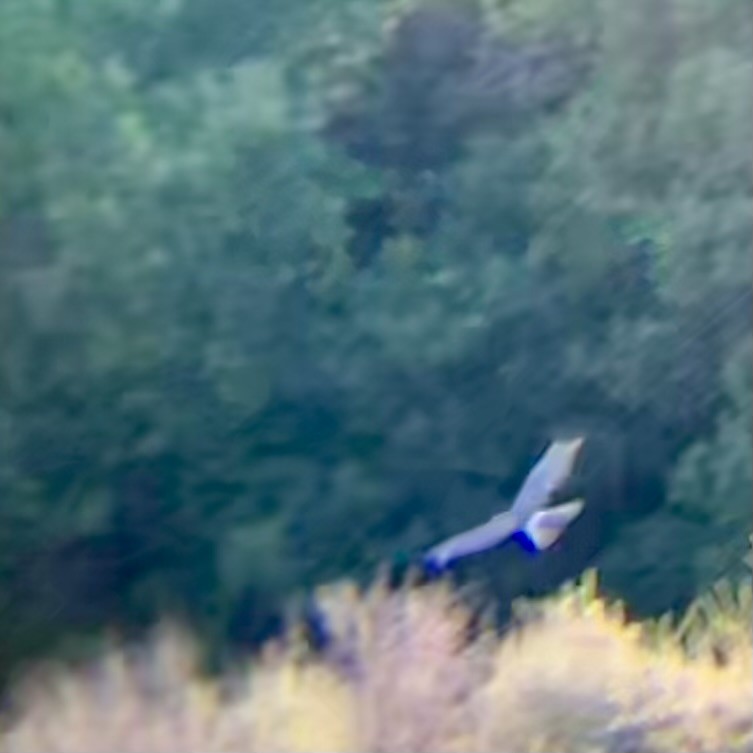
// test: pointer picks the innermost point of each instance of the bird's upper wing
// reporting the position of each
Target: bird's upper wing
(547, 476)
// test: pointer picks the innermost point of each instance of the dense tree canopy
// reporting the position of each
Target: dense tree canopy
(287, 289)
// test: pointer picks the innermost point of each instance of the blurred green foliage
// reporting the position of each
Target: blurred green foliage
(288, 289)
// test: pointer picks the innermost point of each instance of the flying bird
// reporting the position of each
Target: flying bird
(529, 521)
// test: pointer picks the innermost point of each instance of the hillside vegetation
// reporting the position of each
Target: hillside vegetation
(293, 289)
(403, 672)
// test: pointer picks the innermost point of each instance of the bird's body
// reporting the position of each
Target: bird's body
(529, 515)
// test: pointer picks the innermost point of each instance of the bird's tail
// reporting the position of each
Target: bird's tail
(544, 527)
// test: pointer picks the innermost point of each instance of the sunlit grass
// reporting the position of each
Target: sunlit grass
(402, 672)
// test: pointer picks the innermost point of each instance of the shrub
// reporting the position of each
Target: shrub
(401, 671)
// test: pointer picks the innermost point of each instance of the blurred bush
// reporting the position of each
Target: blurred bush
(401, 671)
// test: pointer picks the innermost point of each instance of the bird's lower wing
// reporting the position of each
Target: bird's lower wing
(478, 539)
(546, 526)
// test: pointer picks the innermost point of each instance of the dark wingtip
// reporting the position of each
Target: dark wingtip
(416, 570)
(431, 569)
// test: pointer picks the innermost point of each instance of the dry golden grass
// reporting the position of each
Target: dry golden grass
(402, 675)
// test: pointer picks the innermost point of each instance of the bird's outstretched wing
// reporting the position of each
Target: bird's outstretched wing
(547, 476)
(478, 539)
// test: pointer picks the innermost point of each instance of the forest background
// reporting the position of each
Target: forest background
(291, 289)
